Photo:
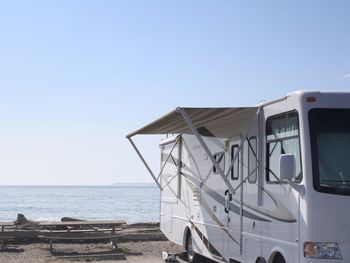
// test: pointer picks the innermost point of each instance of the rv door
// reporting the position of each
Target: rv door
(234, 219)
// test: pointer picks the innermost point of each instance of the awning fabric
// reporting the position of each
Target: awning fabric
(218, 122)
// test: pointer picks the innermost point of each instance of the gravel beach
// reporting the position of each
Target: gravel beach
(136, 252)
(138, 243)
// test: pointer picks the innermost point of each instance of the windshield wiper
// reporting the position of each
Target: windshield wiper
(340, 185)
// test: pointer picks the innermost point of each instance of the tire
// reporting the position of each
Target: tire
(192, 257)
(279, 259)
(260, 260)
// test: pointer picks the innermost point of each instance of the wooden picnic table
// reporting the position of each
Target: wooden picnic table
(72, 230)
(85, 224)
(78, 227)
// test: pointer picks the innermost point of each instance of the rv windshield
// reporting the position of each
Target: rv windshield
(330, 146)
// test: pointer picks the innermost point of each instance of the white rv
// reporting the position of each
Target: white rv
(269, 183)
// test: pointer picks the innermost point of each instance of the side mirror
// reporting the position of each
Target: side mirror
(287, 167)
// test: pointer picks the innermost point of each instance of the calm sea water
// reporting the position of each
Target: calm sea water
(40, 203)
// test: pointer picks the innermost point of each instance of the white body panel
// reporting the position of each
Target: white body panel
(263, 218)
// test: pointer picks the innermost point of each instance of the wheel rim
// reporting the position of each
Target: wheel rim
(190, 251)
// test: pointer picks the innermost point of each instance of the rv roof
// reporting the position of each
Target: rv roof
(218, 122)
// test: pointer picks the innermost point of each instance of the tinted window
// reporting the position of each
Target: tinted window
(330, 145)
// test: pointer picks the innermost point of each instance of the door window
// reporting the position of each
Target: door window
(235, 165)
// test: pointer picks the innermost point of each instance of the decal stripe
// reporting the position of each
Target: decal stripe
(281, 213)
(209, 246)
(217, 220)
(221, 200)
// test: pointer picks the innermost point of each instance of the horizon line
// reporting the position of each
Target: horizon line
(78, 185)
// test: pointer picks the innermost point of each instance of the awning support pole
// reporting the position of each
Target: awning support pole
(204, 145)
(144, 162)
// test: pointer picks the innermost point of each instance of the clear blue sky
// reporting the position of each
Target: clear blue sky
(77, 76)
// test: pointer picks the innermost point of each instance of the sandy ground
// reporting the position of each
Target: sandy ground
(133, 252)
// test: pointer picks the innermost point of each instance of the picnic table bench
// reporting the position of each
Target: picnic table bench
(5, 236)
(81, 230)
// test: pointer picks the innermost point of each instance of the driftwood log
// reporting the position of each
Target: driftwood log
(23, 222)
(70, 219)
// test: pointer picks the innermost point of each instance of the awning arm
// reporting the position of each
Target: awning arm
(204, 145)
(144, 162)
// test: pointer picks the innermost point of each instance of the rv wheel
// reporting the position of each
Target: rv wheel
(279, 259)
(260, 260)
(192, 257)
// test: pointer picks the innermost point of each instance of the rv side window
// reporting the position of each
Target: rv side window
(252, 161)
(235, 166)
(282, 137)
(220, 158)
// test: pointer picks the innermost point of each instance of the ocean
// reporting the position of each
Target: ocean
(41, 203)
